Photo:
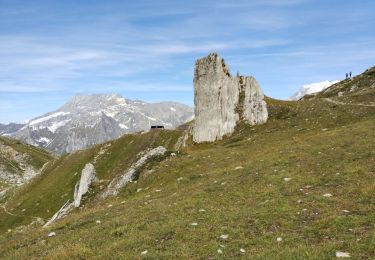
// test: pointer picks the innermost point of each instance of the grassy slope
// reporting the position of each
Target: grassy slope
(322, 147)
(37, 157)
(48, 192)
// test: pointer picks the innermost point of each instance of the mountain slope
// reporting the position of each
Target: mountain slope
(19, 162)
(304, 177)
(42, 197)
(357, 90)
(86, 120)
(6, 129)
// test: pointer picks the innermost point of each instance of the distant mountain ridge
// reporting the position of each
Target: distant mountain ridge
(86, 120)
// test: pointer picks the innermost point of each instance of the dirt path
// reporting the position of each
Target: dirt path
(348, 104)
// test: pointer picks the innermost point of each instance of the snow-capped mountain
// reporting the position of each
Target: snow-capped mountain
(312, 88)
(86, 120)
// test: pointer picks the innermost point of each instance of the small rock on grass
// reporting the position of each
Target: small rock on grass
(220, 251)
(194, 224)
(144, 252)
(242, 250)
(287, 179)
(98, 222)
(51, 234)
(238, 168)
(279, 239)
(224, 236)
(342, 254)
(327, 195)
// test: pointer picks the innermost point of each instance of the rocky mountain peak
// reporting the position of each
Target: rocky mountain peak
(222, 100)
(86, 120)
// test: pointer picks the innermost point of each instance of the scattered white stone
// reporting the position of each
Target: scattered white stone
(52, 234)
(324, 129)
(224, 236)
(222, 246)
(346, 211)
(180, 179)
(342, 254)
(220, 251)
(110, 206)
(173, 154)
(144, 252)
(202, 210)
(123, 202)
(23, 210)
(299, 201)
(279, 239)
(287, 179)
(157, 190)
(242, 250)
(238, 168)
(98, 222)
(9, 230)
(327, 195)
(138, 190)
(194, 224)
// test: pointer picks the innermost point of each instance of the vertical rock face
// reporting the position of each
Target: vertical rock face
(88, 175)
(222, 100)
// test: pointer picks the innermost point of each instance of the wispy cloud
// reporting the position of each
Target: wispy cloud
(148, 48)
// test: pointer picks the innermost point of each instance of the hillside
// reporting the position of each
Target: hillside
(359, 90)
(19, 162)
(299, 186)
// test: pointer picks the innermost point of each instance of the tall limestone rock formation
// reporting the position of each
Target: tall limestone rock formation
(222, 100)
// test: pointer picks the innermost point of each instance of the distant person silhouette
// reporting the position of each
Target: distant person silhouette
(346, 75)
(350, 74)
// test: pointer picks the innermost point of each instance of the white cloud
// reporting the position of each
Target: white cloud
(312, 88)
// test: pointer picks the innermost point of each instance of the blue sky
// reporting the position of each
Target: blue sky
(51, 50)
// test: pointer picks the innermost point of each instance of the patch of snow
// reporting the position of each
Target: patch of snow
(110, 114)
(57, 125)
(312, 88)
(123, 126)
(44, 140)
(42, 119)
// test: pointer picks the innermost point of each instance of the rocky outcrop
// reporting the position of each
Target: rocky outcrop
(116, 184)
(88, 175)
(222, 100)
